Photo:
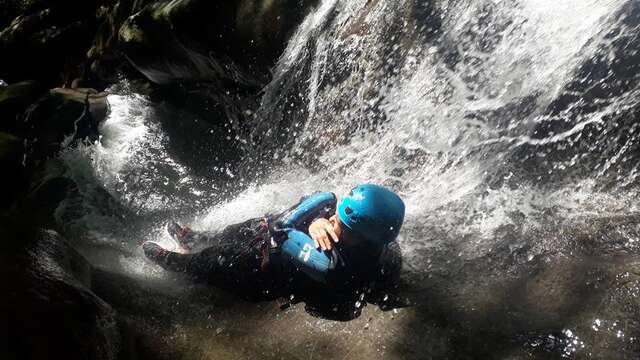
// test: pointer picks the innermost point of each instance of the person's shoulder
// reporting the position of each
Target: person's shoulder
(317, 199)
(319, 195)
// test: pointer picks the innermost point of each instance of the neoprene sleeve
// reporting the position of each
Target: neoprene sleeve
(296, 245)
(299, 217)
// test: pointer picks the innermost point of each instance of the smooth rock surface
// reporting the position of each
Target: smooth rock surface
(47, 305)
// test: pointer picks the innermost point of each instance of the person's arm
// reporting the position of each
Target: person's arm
(325, 232)
(301, 215)
(312, 207)
(314, 215)
(300, 249)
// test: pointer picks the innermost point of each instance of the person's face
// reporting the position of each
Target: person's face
(337, 228)
(346, 238)
(350, 240)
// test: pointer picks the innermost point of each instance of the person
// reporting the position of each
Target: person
(333, 256)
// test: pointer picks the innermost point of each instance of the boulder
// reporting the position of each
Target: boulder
(50, 313)
(96, 101)
(46, 40)
(235, 41)
(14, 100)
(61, 118)
(104, 60)
(599, 81)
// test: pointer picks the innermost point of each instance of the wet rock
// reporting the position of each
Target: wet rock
(97, 101)
(608, 128)
(105, 60)
(41, 204)
(50, 311)
(325, 36)
(10, 151)
(11, 154)
(45, 40)
(235, 41)
(169, 322)
(560, 291)
(14, 100)
(63, 117)
(8, 11)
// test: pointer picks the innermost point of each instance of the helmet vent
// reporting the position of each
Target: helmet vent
(348, 210)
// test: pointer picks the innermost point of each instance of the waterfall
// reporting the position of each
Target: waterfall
(509, 128)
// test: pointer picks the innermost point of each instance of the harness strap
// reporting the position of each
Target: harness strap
(266, 243)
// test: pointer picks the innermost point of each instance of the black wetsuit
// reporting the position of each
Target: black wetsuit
(245, 258)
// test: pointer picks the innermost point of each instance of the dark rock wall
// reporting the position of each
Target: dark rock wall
(45, 40)
(48, 309)
(213, 57)
(236, 41)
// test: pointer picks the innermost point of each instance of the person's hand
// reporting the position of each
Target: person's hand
(322, 232)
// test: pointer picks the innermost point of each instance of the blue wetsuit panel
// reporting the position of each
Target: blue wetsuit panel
(317, 205)
(292, 227)
(302, 252)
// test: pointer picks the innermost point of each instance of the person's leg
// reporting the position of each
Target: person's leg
(236, 271)
(190, 239)
(168, 260)
(238, 233)
(233, 262)
(208, 263)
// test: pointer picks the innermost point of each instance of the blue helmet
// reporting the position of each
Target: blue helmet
(373, 212)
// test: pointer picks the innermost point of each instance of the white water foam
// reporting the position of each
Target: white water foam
(429, 149)
(539, 46)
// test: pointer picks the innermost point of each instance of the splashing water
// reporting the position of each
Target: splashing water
(437, 116)
(498, 122)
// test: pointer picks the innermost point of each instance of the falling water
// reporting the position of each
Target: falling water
(507, 127)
